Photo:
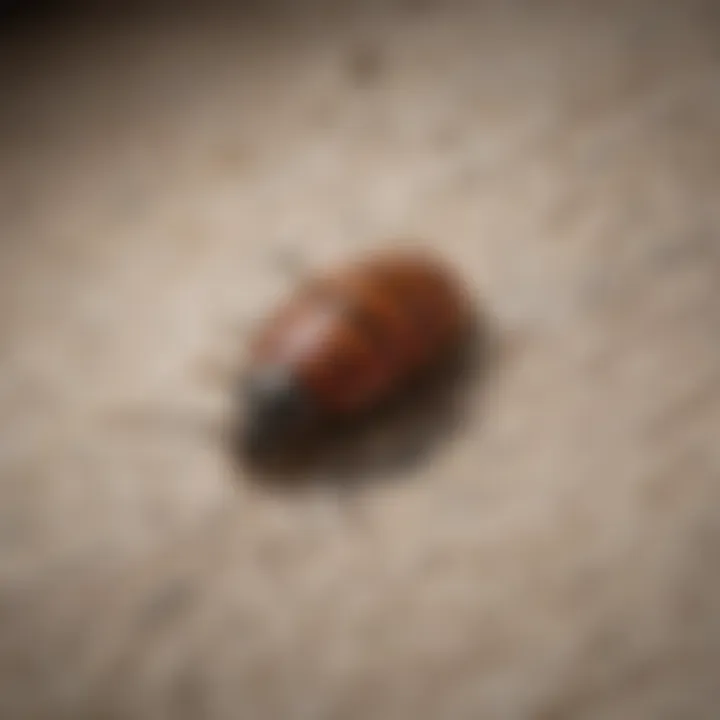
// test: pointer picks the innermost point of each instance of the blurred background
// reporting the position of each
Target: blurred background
(552, 559)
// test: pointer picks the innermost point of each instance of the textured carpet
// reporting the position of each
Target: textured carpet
(552, 557)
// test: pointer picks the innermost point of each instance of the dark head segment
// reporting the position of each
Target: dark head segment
(278, 413)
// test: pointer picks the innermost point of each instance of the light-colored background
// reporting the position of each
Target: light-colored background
(554, 559)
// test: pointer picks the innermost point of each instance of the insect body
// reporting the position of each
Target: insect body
(348, 341)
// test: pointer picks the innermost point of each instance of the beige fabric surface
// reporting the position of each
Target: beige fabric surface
(553, 558)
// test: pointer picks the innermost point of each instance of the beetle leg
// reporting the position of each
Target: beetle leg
(290, 263)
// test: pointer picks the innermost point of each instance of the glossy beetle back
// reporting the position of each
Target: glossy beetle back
(348, 340)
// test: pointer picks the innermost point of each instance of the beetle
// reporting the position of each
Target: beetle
(346, 342)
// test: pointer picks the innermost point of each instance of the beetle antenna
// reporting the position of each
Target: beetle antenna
(186, 422)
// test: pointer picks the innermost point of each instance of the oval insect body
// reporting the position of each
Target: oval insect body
(348, 341)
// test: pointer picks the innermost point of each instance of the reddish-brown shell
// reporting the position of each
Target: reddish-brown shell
(352, 337)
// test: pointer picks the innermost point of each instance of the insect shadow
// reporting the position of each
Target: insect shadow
(383, 445)
(400, 435)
